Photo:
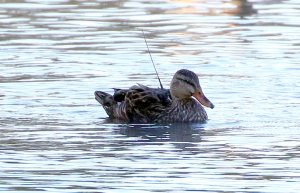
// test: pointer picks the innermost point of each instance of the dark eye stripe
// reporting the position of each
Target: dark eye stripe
(186, 81)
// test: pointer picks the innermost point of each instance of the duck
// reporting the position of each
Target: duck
(181, 103)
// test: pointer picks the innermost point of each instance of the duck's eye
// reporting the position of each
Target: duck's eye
(187, 81)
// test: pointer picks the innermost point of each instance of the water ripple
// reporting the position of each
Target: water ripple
(55, 137)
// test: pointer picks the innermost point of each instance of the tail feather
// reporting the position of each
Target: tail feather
(107, 101)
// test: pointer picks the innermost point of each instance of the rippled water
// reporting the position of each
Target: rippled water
(55, 137)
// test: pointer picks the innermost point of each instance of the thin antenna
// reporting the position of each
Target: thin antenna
(161, 86)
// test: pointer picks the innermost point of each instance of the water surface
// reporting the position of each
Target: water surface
(56, 138)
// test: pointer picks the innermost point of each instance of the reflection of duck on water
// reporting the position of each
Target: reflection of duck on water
(145, 105)
(184, 136)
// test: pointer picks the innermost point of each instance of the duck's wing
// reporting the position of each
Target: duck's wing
(136, 104)
(119, 94)
(144, 103)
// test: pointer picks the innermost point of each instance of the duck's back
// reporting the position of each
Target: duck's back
(142, 103)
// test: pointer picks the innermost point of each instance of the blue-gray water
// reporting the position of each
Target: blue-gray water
(54, 136)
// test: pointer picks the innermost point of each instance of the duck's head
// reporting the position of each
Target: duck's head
(185, 84)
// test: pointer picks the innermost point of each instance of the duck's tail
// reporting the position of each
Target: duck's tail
(107, 101)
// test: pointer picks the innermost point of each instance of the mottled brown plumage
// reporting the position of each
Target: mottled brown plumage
(142, 104)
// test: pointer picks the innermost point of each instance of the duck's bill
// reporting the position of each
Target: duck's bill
(203, 100)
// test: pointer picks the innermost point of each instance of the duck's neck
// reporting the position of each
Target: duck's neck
(185, 104)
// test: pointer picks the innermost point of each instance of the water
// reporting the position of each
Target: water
(55, 137)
